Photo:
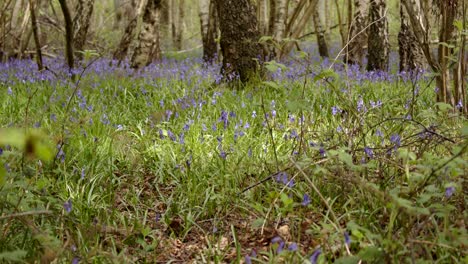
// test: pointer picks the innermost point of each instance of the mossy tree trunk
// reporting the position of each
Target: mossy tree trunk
(239, 38)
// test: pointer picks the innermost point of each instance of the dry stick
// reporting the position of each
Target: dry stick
(359, 33)
(25, 214)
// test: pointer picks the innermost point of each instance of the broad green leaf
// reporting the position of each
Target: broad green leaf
(257, 223)
(325, 74)
(265, 39)
(443, 106)
(371, 254)
(17, 255)
(272, 85)
(348, 260)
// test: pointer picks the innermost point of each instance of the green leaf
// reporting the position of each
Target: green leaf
(443, 106)
(17, 255)
(265, 39)
(371, 254)
(347, 260)
(464, 130)
(257, 223)
(325, 74)
(458, 24)
(273, 66)
(2, 174)
(273, 85)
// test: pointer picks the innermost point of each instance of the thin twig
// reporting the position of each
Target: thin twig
(25, 214)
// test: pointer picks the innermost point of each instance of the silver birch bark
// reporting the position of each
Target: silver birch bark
(378, 41)
(81, 23)
(320, 31)
(148, 48)
(357, 37)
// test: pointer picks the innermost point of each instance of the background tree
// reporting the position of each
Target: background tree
(320, 31)
(239, 38)
(81, 23)
(357, 34)
(209, 29)
(410, 53)
(148, 48)
(378, 41)
(68, 33)
(35, 28)
(277, 24)
(122, 49)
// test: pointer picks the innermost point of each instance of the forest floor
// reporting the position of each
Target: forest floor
(317, 164)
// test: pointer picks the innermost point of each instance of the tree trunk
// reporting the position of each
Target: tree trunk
(357, 38)
(180, 25)
(208, 19)
(296, 29)
(148, 48)
(340, 24)
(320, 32)
(239, 38)
(121, 52)
(272, 17)
(460, 70)
(81, 22)
(68, 33)
(35, 28)
(262, 16)
(378, 42)
(411, 55)
(279, 14)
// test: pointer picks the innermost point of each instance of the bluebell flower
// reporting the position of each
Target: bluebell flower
(315, 255)
(75, 260)
(161, 134)
(379, 133)
(249, 152)
(335, 110)
(68, 206)
(305, 200)
(247, 259)
(204, 127)
(83, 173)
(347, 238)
(449, 191)
(53, 117)
(459, 104)
(395, 139)
(278, 240)
(9, 90)
(1, 151)
(369, 152)
(292, 247)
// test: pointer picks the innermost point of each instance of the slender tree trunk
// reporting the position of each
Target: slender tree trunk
(460, 70)
(411, 55)
(68, 33)
(278, 25)
(272, 17)
(148, 48)
(121, 52)
(296, 29)
(239, 39)
(81, 22)
(357, 34)
(262, 16)
(340, 24)
(208, 23)
(320, 32)
(35, 28)
(378, 42)
(180, 25)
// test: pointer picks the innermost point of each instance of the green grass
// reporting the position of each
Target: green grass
(137, 197)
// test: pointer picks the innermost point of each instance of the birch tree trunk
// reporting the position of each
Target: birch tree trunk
(148, 48)
(378, 41)
(272, 17)
(320, 31)
(357, 37)
(239, 39)
(81, 23)
(180, 25)
(208, 23)
(279, 13)
(124, 45)
(411, 55)
(262, 16)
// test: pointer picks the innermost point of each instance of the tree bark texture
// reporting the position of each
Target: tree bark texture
(320, 31)
(122, 49)
(279, 14)
(378, 41)
(81, 23)
(68, 33)
(411, 54)
(262, 16)
(271, 18)
(357, 38)
(209, 30)
(148, 48)
(35, 28)
(239, 38)
(179, 13)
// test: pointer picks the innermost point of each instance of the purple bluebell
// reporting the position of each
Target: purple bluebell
(395, 139)
(68, 206)
(75, 260)
(293, 247)
(347, 238)
(83, 173)
(449, 191)
(315, 255)
(335, 110)
(278, 240)
(305, 200)
(369, 152)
